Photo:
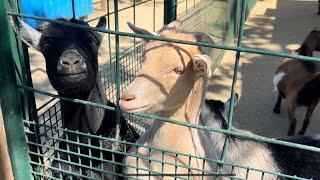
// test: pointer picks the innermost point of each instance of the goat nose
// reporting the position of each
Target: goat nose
(128, 97)
(70, 62)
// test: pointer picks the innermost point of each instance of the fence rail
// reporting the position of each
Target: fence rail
(33, 140)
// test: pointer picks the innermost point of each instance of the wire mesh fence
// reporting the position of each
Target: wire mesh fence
(83, 155)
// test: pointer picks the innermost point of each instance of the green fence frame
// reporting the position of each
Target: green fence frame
(15, 79)
(10, 102)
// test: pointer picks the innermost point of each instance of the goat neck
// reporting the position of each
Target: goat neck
(190, 109)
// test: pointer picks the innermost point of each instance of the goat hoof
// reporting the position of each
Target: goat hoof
(276, 110)
(290, 133)
(301, 133)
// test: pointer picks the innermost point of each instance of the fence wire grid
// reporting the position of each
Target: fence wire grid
(40, 129)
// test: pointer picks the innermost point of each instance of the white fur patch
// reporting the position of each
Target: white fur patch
(206, 59)
(277, 78)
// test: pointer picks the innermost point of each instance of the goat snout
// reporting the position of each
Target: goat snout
(71, 62)
(130, 103)
(128, 97)
(71, 66)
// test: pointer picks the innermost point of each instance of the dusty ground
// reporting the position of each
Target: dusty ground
(273, 24)
(278, 25)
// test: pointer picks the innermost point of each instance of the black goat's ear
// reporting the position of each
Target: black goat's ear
(95, 115)
(102, 25)
(227, 103)
(29, 35)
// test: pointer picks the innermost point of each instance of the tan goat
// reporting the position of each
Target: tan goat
(171, 83)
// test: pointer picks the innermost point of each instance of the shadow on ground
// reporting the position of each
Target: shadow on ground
(274, 29)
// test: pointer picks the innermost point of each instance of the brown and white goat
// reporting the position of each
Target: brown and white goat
(298, 82)
(171, 83)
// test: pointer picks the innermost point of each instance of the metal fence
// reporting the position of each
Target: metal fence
(33, 137)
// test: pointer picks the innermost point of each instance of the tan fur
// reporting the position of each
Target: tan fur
(174, 96)
(295, 76)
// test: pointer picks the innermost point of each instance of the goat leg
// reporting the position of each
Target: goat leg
(277, 106)
(292, 127)
(290, 109)
(307, 119)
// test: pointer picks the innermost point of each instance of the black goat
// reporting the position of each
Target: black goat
(267, 157)
(71, 56)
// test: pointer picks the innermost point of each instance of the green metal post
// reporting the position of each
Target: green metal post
(10, 103)
(28, 103)
(234, 80)
(170, 11)
(30, 106)
(117, 39)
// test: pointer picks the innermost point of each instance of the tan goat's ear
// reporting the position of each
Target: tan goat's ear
(141, 31)
(175, 24)
(202, 64)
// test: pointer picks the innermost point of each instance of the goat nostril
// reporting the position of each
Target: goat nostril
(128, 97)
(76, 62)
(70, 62)
(65, 62)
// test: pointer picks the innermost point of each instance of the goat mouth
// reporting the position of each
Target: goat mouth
(133, 109)
(73, 75)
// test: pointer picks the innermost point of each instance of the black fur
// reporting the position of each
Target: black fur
(55, 39)
(294, 161)
(304, 50)
(310, 66)
(291, 161)
(310, 92)
(218, 108)
(310, 44)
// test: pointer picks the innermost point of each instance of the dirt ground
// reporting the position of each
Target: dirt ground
(278, 25)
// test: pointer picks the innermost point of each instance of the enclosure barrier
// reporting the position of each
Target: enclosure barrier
(33, 136)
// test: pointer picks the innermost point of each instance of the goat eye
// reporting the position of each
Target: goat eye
(178, 71)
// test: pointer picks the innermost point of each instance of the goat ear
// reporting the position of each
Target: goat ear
(102, 25)
(29, 35)
(141, 31)
(227, 103)
(202, 64)
(175, 24)
(297, 51)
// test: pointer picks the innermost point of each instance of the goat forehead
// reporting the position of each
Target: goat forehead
(166, 59)
(168, 54)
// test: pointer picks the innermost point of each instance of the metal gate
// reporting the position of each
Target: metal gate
(33, 133)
